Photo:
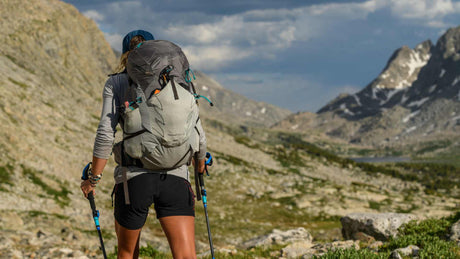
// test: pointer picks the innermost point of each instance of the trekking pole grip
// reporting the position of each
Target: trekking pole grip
(197, 178)
(91, 201)
(201, 179)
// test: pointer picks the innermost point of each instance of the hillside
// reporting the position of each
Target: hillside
(53, 65)
(230, 107)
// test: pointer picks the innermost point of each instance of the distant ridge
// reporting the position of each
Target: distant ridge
(234, 108)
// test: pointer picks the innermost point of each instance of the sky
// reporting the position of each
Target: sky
(298, 55)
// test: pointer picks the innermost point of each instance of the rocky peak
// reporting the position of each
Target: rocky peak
(403, 67)
(449, 44)
(401, 71)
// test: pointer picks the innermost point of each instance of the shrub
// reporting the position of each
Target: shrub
(431, 235)
(374, 205)
(5, 175)
(353, 254)
(150, 252)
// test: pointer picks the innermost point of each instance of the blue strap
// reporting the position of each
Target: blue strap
(197, 96)
(188, 78)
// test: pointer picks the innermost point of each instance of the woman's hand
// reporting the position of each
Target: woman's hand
(87, 187)
(97, 166)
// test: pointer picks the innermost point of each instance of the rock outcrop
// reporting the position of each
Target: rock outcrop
(411, 251)
(381, 226)
(278, 237)
(455, 232)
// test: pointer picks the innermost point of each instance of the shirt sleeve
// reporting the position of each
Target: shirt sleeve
(202, 151)
(106, 130)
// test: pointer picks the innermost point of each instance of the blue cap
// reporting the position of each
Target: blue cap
(147, 36)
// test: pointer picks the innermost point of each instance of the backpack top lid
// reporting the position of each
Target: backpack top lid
(149, 58)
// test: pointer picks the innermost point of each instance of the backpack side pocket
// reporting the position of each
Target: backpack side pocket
(132, 140)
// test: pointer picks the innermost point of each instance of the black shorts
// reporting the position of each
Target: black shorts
(172, 196)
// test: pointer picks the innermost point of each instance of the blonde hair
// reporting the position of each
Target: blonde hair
(122, 66)
(124, 57)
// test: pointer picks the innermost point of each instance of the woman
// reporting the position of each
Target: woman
(170, 191)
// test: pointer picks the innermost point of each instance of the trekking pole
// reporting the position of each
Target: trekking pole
(199, 176)
(84, 176)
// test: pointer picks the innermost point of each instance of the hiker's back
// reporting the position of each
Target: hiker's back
(161, 114)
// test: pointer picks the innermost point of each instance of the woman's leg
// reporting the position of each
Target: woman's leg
(180, 231)
(128, 242)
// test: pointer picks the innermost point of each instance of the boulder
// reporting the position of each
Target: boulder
(278, 237)
(308, 250)
(395, 255)
(455, 232)
(381, 226)
(347, 244)
(375, 246)
(410, 251)
(295, 250)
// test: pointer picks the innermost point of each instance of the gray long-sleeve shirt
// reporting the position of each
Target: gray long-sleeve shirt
(114, 94)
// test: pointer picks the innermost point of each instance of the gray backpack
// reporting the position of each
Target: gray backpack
(159, 123)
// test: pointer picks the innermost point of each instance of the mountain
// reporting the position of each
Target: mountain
(416, 95)
(385, 91)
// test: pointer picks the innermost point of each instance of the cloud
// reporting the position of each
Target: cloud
(115, 40)
(260, 34)
(430, 12)
(214, 41)
(94, 15)
(213, 58)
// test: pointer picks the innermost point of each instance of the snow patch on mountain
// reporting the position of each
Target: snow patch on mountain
(443, 71)
(456, 80)
(403, 84)
(410, 116)
(374, 92)
(357, 100)
(390, 94)
(404, 98)
(417, 60)
(409, 130)
(345, 110)
(419, 102)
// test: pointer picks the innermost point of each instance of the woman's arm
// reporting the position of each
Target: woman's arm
(105, 136)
